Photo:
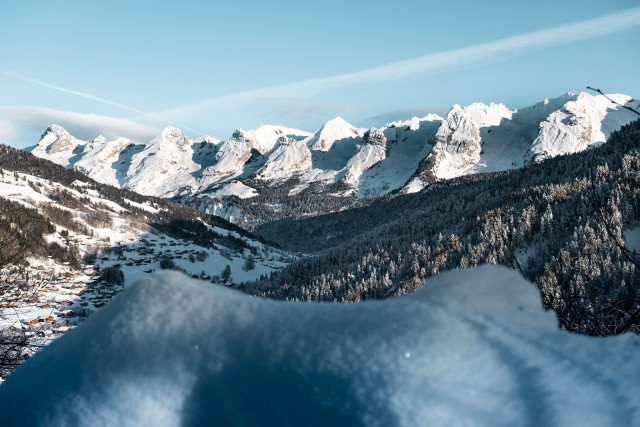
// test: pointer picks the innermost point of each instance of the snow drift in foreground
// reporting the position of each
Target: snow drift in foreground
(472, 347)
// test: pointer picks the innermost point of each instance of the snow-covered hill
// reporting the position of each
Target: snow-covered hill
(341, 159)
(85, 229)
(470, 348)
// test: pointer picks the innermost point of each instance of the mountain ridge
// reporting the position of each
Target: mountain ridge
(339, 158)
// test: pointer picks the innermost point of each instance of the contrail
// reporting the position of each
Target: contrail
(480, 53)
(97, 99)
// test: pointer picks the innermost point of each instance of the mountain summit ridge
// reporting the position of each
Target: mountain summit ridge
(340, 159)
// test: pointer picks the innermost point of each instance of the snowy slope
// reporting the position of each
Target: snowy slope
(289, 158)
(164, 167)
(235, 188)
(584, 121)
(471, 348)
(332, 131)
(123, 232)
(265, 137)
(371, 152)
(99, 157)
(408, 143)
(489, 138)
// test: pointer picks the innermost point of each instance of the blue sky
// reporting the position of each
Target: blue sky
(131, 68)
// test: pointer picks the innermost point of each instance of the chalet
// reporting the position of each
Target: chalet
(46, 319)
(61, 330)
(30, 322)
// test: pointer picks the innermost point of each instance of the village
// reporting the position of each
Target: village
(47, 300)
(44, 299)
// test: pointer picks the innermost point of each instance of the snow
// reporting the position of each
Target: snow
(367, 156)
(407, 144)
(265, 137)
(230, 158)
(57, 145)
(144, 206)
(579, 124)
(235, 188)
(98, 158)
(472, 139)
(332, 131)
(164, 167)
(11, 189)
(288, 158)
(471, 348)
(488, 115)
(414, 186)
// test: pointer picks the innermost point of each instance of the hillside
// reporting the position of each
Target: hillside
(561, 222)
(69, 244)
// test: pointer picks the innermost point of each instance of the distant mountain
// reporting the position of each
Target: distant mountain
(292, 172)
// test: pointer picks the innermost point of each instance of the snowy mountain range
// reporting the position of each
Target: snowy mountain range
(340, 159)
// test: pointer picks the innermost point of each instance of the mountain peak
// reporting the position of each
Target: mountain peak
(240, 135)
(100, 139)
(375, 137)
(332, 131)
(56, 143)
(337, 121)
(57, 130)
(265, 137)
(170, 136)
(207, 139)
(171, 133)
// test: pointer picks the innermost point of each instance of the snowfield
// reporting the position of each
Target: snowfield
(471, 348)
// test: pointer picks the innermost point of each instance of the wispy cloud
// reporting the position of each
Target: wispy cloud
(21, 125)
(153, 116)
(476, 54)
